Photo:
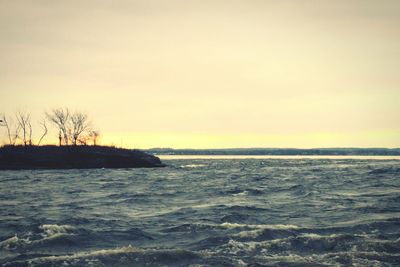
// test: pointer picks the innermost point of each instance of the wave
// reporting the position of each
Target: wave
(192, 166)
(231, 244)
(49, 235)
(316, 250)
(242, 192)
(259, 226)
(189, 227)
(14, 242)
(55, 229)
(228, 213)
(387, 170)
(124, 256)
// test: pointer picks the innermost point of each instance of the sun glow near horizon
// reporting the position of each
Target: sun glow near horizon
(209, 74)
(148, 140)
(213, 141)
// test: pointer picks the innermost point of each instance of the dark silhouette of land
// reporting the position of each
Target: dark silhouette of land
(75, 132)
(280, 151)
(74, 157)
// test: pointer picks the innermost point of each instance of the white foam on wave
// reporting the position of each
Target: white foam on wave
(286, 240)
(250, 234)
(96, 253)
(358, 258)
(193, 166)
(263, 249)
(317, 236)
(123, 256)
(14, 242)
(291, 258)
(257, 230)
(244, 193)
(50, 231)
(260, 226)
(81, 256)
(55, 229)
(235, 247)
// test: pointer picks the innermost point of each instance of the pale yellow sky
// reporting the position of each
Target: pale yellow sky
(208, 74)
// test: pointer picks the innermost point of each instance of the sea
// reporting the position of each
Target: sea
(206, 211)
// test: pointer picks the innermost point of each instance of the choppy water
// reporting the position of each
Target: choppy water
(202, 212)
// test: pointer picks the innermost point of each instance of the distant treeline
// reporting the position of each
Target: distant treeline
(279, 151)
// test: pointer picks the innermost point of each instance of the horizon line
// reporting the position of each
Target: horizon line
(275, 148)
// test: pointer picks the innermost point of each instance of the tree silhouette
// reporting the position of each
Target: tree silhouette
(13, 134)
(43, 124)
(94, 135)
(60, 117)
(24, 123)
(78, 125)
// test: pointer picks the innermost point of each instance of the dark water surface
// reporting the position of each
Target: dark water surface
(204, 212)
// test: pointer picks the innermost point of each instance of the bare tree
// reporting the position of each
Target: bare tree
(94, 135)
(83, 139)
(79, 124)
(4, 123)
(30, 133)
(13, 134)
(24, 123)
(60, 118)
(16, 135)
(43, 124)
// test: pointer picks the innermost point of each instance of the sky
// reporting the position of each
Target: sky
(208, 73)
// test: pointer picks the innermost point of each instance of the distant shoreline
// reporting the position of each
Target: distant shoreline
(275, 157)
(279, 151)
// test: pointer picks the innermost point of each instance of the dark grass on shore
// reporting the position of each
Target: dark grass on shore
(73, 157)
